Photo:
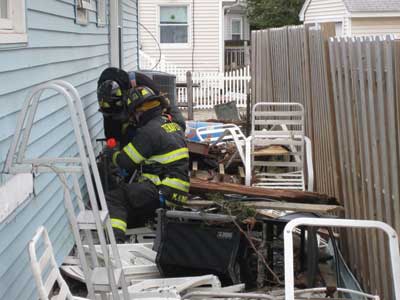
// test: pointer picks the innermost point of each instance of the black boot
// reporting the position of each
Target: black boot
(119, 236)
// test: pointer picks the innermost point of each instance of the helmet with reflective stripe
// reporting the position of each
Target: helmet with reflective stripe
(142, 98)
(111, 99)
(112, 91)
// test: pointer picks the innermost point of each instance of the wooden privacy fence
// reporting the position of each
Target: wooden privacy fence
(350, 89)
(365, 81)
(289, 64)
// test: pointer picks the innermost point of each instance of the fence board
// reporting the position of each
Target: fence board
(366, 173)
(351, 91)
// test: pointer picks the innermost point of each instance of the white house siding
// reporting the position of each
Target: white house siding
(203, 51)
(322, 11)
(376, 26)
(228, 26)
(57, 49)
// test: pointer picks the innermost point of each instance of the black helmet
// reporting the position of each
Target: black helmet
(142, 98)
(112, 92)
(112, 99)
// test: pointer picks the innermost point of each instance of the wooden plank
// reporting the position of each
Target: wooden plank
(202, 186)
(390, 116)
(332, 135)
(368, 194)
(374, 149)
(283, 206)
(383, 205)
(397, 112)
(343, 140)
(360, 204)
(253, 66)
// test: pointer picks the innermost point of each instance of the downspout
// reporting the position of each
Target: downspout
(193, 36)
(114, 34)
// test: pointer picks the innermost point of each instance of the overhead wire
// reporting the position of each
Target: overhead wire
(158, 45)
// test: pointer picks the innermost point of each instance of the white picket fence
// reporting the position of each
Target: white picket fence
(210, 88)
(160, 64)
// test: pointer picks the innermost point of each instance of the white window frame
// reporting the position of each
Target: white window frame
(189, 26)
(241, 28)
(84, 4)
(13, 29)
(101, 13)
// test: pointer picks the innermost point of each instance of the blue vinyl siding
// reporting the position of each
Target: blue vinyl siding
(57, 49)
(129, 34)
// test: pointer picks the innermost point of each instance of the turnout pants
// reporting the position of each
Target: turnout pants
(130, 206)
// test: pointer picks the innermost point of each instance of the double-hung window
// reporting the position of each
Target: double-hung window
(174, 26)
(236, 29)
(12, 22)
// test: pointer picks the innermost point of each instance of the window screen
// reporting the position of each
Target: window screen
(236, 29)
(173, 24)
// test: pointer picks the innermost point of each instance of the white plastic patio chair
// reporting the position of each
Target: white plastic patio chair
(47, 265)
(224, 133)
(279, 124)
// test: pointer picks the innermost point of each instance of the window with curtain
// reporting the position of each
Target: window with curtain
(174, 24)
(236, 29)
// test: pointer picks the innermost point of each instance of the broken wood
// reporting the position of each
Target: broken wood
(261, 206)
(198, 148)
(198, 186)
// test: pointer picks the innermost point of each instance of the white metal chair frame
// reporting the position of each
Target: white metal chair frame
(228, 133)
(321, 222)
(280, 132)
(95, 219)
(46, 262)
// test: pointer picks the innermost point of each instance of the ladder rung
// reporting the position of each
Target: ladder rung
(86, 219)
(100, 279)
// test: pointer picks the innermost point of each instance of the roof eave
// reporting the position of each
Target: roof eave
(303, 10)
(366, 14)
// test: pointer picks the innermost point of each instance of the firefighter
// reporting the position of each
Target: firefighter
(114, 84)
(157, 150)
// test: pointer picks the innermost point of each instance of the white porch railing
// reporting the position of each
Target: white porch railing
(217, 88)
(148, 63)
(211, 88)
(237, 57)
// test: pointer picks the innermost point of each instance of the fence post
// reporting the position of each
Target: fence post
(189, 82)
(246, 53)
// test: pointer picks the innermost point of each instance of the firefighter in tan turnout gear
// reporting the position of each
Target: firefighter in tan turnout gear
(157, 150)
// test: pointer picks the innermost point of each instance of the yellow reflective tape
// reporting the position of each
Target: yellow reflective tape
(119, 224)
(104, 104)
(114, 157)
(170, 156)
(171, 127)
(177, 184)
(176, 200)
(118, 92)
(129, 101)
(148, 105)
(133, 154)
(145, 92)
(153, 178)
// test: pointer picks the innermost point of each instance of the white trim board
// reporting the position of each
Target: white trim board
(14, 192)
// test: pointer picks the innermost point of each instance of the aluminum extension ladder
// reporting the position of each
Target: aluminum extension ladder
(100, 278)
